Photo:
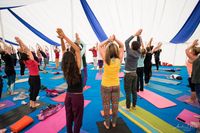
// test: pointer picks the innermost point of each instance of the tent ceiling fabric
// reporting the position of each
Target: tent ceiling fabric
(160, 19)
(15, 3)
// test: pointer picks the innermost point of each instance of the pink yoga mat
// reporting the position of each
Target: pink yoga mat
(54, 123)
(60, 98)
(86, 87)
(155, 99)
(121, 74)
(185, 97)
(99, 76)
(187, 116)
(6, 104)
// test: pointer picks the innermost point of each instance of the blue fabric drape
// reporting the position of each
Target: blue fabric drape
(101, 35)
(9, 42)
(189, 27)
(35, 31)
(2, 8)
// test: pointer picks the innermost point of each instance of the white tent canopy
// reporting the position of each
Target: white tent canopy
(160, 19)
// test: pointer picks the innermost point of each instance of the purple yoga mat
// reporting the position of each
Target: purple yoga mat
(187, 117)
(185, 97)
(6, 104)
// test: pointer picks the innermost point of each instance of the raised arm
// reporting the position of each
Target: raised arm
(72, 44)
(157, 47)
(150, 42)
(187, 51)
(121, 49)
(62, 44)
(24, 48)
(102, 47)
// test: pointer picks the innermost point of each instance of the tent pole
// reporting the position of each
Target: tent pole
(1, 25)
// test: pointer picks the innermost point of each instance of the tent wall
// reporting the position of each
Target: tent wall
(160, 19)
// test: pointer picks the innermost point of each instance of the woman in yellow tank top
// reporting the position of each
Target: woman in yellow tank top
(111, 51)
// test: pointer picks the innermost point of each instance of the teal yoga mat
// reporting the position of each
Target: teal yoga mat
(167, 81)
(163, 89)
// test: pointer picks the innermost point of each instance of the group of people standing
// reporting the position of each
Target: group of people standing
(74, 67)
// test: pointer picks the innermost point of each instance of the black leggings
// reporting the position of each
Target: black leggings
(192, 86)
(35, 84)
(157, 61)
(148, 73)
(140, 83)
(22, 67)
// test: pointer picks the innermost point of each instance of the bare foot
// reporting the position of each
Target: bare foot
(1, 105)
(113, 124)
(189, 100)
(36, 105)
(104, 123)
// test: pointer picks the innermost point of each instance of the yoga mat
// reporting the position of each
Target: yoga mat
(121, 74)
(147, 121)
(187, 116)
(167, 81)
(17, 90)
(63, 86)
(86, 87)
(60, 98)
(121, 94)
(120, 128)
(159, 74)
(99, 76)
(21, 80)
(185, 97)
(58, 77)
(155, 99)
(6, 103)
(164, 89)
(14, 115)
(54, 123)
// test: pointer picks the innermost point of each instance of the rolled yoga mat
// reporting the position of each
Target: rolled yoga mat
(14, 115)
(167, 81)
(53, 123)
(6, 104)
(21, 124)
(147, 121)
(120, 128)
(187, 117)
(164, 89)
(155, 99)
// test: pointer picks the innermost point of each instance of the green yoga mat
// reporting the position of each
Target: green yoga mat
(163, 89)
(14, 115)
(147, 121)
(165, 81)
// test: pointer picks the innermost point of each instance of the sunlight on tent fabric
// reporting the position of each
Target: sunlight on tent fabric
(160, 19)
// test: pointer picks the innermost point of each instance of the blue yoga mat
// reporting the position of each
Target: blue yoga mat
(164, 89)
(167, 81)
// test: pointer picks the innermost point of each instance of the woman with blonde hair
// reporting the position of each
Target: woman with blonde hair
(111, 51)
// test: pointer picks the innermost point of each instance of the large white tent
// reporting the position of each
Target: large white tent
(160, 19)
